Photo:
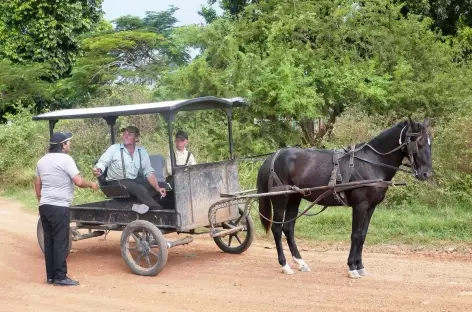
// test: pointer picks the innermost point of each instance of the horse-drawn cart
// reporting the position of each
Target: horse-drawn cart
(207, 195)
(184, 209)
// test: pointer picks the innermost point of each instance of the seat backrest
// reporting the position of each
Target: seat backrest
(158, 163)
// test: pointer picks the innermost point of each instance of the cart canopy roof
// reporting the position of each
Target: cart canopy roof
(166, 107)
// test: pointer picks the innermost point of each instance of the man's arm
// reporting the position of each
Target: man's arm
(82, 183)
(152, 180)
(104, 161)
(148, 172)
(71, 169)
(37, 187)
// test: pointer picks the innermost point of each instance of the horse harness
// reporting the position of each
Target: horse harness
(338, 154)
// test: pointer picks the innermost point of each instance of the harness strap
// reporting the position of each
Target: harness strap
(272, 175)
(335, 176)
(383, 165)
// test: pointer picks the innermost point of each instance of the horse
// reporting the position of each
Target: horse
(378, 159)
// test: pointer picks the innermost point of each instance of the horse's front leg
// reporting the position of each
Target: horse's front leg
(365, 226)
(359, 214)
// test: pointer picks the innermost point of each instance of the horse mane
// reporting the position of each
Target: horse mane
(389, 132)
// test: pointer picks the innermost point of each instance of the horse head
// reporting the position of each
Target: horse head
(418, 142)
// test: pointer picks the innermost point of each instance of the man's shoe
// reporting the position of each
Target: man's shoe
(65, 282)
(50, 281)
(140, 208)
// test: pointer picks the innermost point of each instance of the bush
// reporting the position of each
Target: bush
(24, 141)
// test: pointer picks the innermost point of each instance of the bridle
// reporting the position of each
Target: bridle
(410, 145)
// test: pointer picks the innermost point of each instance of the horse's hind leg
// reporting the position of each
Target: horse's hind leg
(279, 204)
(289, 231)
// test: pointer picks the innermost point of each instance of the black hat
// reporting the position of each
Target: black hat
(131, 129)
(181, 135)
(60, 137)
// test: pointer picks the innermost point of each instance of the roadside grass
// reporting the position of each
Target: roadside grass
(414, 225)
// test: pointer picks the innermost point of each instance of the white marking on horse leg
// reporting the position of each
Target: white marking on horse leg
(302, 266)
(287, 269)
(362, 272)
(353, 274)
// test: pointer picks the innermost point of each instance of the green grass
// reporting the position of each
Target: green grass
(28, 198)
(415, 224)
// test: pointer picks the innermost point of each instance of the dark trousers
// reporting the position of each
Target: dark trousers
(56, 228)
(142, 190)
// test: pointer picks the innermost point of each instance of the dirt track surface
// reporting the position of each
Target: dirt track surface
(199, 277)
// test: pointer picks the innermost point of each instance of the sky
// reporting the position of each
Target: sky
(187, 13)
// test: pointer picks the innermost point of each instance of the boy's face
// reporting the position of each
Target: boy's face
(180, 143)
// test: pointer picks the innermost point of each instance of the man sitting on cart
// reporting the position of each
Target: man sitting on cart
(129, 165)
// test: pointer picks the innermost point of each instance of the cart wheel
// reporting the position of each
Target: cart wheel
(144, 248)
(238, 242)
(40, 235)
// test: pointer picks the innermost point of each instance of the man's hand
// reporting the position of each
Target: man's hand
(163, 192)
(94, 186)
(97, 172)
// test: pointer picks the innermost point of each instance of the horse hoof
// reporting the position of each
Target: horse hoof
(287, 269)
(304, 268)
(353, 274)
(362, 272)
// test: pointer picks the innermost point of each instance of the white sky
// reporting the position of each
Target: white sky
(187, 13)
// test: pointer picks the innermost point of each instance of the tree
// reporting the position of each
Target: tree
(232, 7)
(447, 15)
(137, 51)
(20, 85)
(313, 59)
(45, 31)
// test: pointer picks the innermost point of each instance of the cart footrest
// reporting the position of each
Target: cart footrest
(183, 241)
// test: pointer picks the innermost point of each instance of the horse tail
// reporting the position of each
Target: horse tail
(265, 208)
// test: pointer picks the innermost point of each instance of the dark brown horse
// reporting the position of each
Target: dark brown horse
(379, 158)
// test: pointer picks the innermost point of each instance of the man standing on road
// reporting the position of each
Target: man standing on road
(56, 174)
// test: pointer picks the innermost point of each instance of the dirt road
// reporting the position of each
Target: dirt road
(198, 277)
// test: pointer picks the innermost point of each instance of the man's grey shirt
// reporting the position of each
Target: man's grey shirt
(56, 171)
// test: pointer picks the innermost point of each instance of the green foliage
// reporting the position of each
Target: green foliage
(232, 7)
(357, 67)
(446, 14)
(305, 60)
(20, 85)
(138, 51)
(21, 136)
(45, 31)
